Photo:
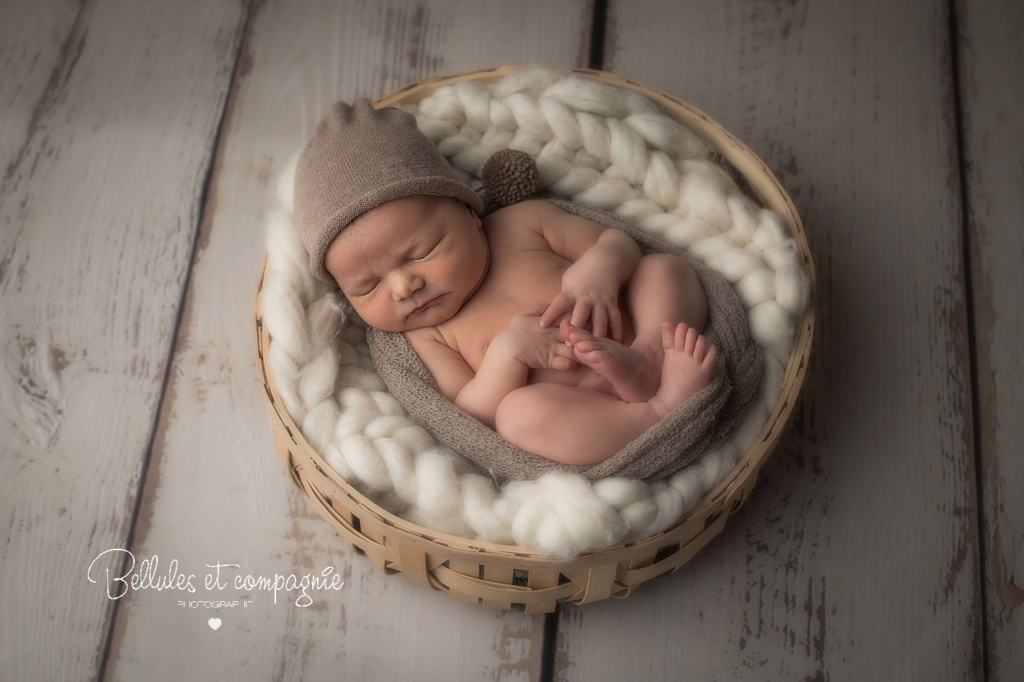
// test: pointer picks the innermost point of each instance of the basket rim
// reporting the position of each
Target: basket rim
(724, 497)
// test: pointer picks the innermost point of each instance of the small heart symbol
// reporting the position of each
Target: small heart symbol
(214, 623)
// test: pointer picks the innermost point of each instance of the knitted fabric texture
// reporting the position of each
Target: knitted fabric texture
(703, 422)
(509, 176)
(359, 158)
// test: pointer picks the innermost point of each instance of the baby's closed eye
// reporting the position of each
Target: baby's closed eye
(423, 254)
(365, 288)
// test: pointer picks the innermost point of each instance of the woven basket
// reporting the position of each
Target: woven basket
(511, 577)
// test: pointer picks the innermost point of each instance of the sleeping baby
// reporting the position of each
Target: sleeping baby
(549, 327)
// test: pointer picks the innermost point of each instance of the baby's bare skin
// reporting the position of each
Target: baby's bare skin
(547, 326)
(685, 365)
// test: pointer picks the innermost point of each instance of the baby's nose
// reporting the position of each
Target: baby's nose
(406, 284)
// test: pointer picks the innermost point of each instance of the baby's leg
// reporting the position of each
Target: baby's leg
(663, 289)
(570, 425)
(579, 426)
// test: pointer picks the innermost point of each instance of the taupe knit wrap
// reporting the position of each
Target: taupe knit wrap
(359, 158)
(702, 423)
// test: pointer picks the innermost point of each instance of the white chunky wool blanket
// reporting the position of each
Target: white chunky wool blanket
(596, 144)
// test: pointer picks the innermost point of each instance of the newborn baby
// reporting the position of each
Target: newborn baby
(546, 326)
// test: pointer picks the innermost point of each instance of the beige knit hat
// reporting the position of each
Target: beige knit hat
(359, 158)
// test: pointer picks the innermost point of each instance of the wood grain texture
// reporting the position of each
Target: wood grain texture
(216, 491)
(856, 556)
(993, 133)
(37, 44)
(99, 208)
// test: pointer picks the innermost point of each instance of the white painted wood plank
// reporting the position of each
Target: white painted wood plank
(216, 490)
(35, 39)
(856, 557)
(992, 99)
(98, 208)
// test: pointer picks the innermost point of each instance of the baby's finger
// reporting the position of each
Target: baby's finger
(564, 357)
(615, 324)
(599, 321)
(563, 363)
(581, 313)
(556, 309)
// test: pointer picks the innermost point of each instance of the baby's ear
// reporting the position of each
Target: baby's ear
(509, 176)
(476, 214)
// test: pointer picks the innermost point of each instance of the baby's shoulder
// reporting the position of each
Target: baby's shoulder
(521, 219)
(430, 342)
(525, 210)
(422, 336)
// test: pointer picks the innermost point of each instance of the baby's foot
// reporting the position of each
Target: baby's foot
(689, 366)
(634, 372)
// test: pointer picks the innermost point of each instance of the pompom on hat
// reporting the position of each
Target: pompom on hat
(359, 158)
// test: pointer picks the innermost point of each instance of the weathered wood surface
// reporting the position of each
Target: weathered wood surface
(857, 556)
(216, 491)
(109, 113)
(993, 131)
(139, 144)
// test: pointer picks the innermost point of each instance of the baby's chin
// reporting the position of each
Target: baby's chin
(426, 322)
(431, 317)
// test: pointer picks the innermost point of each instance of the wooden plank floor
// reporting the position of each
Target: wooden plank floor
(139, 145)
(993, 177)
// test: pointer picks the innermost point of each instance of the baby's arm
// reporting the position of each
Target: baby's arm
(603, 259)
(521, 346)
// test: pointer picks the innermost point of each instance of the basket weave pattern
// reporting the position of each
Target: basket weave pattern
(504, 575)
(492, 575)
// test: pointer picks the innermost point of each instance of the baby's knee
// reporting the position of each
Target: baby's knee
(664, 266)
(662, 274)
(520, 413)
(532, 418)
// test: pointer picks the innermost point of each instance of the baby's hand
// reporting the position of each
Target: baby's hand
(536, 346)
(587, 297)
(590, 286)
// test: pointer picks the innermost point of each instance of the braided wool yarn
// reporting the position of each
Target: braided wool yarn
(596, 144)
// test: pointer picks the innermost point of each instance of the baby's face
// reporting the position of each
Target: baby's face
(410, 263)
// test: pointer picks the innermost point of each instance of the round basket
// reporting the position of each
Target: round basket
(511, 577)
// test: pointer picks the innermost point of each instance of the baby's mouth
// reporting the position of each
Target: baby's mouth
(429, 304)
